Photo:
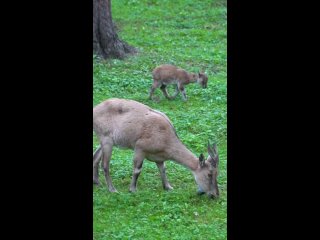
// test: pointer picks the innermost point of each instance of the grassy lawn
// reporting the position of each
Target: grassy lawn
(193, 35)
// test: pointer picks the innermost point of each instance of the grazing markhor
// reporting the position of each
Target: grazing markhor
(166, 74)
(130, 124)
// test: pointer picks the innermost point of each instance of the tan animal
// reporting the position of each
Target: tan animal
(164, 75)
(130, 124)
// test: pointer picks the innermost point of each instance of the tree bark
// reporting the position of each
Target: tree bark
(106, 42)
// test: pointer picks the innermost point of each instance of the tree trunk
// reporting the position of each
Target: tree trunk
(106, 42)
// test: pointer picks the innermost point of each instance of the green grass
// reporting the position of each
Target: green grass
(192, 35)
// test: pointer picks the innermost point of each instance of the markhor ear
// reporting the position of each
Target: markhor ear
(201, 160)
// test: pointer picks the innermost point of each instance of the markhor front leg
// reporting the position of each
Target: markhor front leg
(183, 91)
(165, 183)
(137, 162)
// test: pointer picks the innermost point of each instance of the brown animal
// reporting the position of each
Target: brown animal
(130, 124)
(164, 75)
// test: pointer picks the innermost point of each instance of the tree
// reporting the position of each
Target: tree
(106, 42)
